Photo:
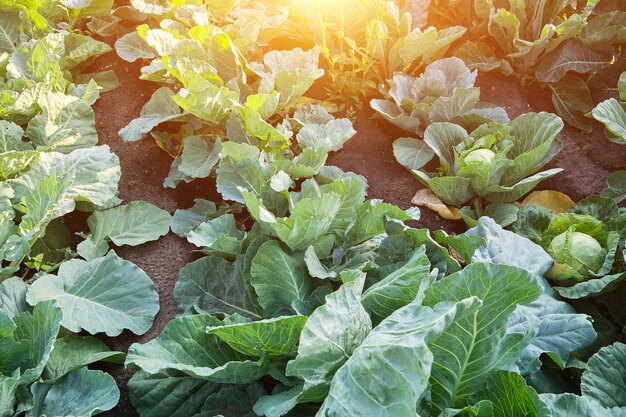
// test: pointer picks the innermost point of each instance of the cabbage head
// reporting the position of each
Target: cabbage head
(582, 246)
(576, 255)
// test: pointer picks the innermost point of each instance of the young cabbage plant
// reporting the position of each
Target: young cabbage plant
(496, 162)
(586, 243)
(445, 92)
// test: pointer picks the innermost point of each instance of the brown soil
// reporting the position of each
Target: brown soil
(587, 159)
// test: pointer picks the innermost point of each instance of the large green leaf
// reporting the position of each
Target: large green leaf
(310, 218)
(160, 108)
(73, 352)
(106, 294)
(13, 297)
(219, 236)
(395, 352)
(206, 358)
(454, 190)
(616, 186)
(279, 279)
(66, 123)
(604, 380)
(442, 137)
(558, 329)
(567, 405)
(412, 153)
(131, 47)
(94, 174)
(280, 403)
(330, 336)
(606, 28)
(53, 244)
(472, 348)
(507, 248)
(217, 286)
(80, 48)
(132, 224)
(9, 31)
(199, 156)
(612, 115)
(83, 392)
(291, 73)
(14, 162)
(574, 56)
(249, 174)
(11, 137)
(592, 287)
(184, 221)
(370, 217)
(233, 400)
(559, 332)
(168, 394)
(330, 136)
(47, 201)
(8, 386)
(399, 288)
(511, 397)
(209, 102)
(276, 337)
(28, 347)
(572, 100)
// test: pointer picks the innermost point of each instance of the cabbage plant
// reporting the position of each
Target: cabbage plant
(587, 244)
(497, 162)
(445, 92)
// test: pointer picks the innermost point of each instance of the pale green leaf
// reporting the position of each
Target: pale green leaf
(330, 336)
(398, 288)
(132, 224)
(131, 47)
(613, 116)
(330, 136)
(66, 123)
(199, 157)
(102, 295)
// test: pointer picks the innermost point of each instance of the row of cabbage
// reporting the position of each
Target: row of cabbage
(58, 288)
(315, 301)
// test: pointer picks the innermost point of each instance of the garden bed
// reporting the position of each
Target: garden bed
(588, 158)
